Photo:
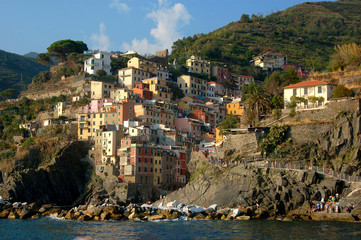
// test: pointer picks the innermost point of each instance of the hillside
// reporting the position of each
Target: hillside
(307, 33)
(12, 66)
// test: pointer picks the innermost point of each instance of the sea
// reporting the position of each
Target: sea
(53, 228)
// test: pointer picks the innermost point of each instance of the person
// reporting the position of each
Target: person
(337, 197)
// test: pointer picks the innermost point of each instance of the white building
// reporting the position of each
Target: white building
(98, 61)
(308, 90)
(270, 61)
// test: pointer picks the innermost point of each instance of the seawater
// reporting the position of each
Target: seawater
(47, 228)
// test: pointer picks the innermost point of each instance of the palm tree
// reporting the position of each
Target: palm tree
(258, 100)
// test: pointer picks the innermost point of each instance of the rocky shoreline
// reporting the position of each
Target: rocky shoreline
(171, 211)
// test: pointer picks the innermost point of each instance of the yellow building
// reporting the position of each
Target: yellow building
(158, 167)
(235, 108)
(130, 76)
(197, 65)
(154, 113)
(192, 86)
(143, 64)
(159, 88)
(119, 94)
(89, 123)
(100, 90)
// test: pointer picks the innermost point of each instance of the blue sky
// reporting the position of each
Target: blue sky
(119, 25)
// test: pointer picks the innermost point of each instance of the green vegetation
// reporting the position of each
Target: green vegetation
(17, 71)
(61, 50)
(276, 136)
(101, 73)
(306, 33)
(118, 63)
(341, 91)
(258, 101)
(231, 121)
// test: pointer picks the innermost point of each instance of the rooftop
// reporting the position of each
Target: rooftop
(307, 84)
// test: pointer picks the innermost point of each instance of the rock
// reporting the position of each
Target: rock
(69, 215)
(97, 218)
(157, 217)
(175, 215)
(77, 215)
(17, 204)
(13, 215)
(2, 200)
(85, 217)
(236, 212)
(105, 215)
(341, 217)
(310, 178)
(199, 216)
(196, 209)
(212, 208)
(173, 204)
(243, 218)
(93, 211)
(133, 216)
(42, 210)
(25, 213)
(36, 215)
(33, 207)
(116, 217)
(47, 206)
(224, 217)
(4, 213)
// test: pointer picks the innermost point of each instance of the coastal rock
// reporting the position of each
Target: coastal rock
(339, 217)
(13, 215)
(243, 218)
(36, 215)
(4, 213)
(157, 217)
(25, 213)
(69, 215)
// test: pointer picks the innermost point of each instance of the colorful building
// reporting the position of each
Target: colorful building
(195, 64)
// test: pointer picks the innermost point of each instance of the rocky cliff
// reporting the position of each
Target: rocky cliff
(61, 181)
(279, 192)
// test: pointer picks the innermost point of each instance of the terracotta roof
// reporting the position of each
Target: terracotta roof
(307, 83)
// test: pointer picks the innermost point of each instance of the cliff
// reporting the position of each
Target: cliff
(61, 181)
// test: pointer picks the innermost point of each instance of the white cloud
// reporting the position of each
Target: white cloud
(119, 6)
(101, 40)
(168, 21)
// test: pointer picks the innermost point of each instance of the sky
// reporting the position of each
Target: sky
(144, 26)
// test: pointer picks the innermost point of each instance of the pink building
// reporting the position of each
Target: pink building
(192, 127)
(94, 106)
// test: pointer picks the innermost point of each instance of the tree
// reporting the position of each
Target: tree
(118, 63)
(44, 58)
(277, 101)
(61, 49)
(341, 91)
(247, 89)
(230, 122)
(272, 84)
(245, 18)
(101, 73)
(258, 100)
(290, 76)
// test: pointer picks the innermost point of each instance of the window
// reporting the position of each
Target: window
(294, 92)
(305, 90)
(145, 169)
(319, 89)
(139, 169)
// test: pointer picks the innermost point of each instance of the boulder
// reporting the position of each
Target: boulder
(199, 216)
(116, 217)
(4, 214)
(13, 215)
(47, 206)
(36, 215)
(105, 215)
(157, 217)
(69, 215)
(340, 217)
(175, 215)
(133, 216)
(173, 204)
(85, 217)
(25, 213)
(212, 208)
(93, 211)
(243, 218)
